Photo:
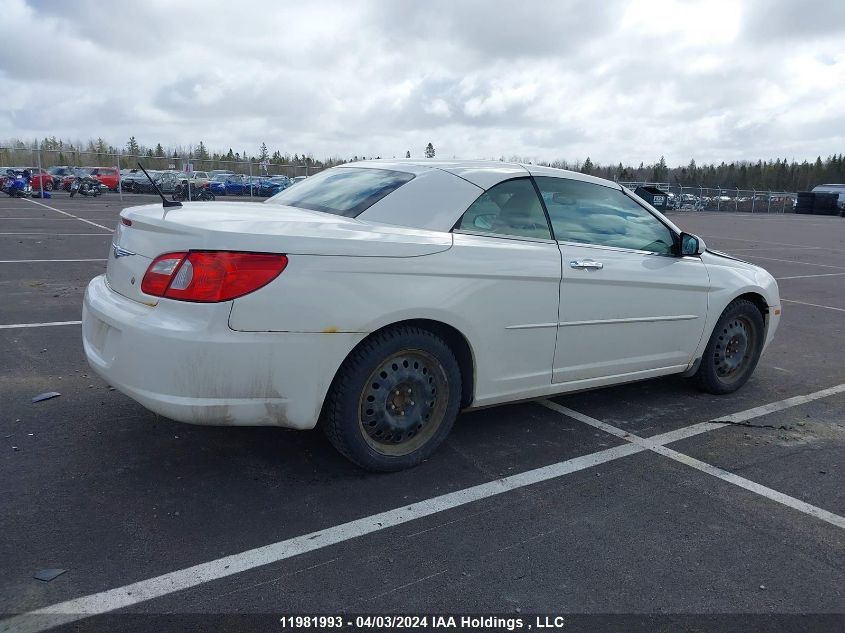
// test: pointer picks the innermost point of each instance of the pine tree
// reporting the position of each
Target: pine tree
(587, 167)
(159, 150)
(661, 171)
(264, 155)
(429, 151)
(408, 154)
(132, 147)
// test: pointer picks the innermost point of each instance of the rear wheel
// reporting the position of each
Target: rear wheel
(394, 400)
(733, 350)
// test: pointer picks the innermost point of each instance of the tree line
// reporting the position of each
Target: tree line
(765, 175)
(762, 175)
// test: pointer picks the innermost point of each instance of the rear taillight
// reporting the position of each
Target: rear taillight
(210, 276)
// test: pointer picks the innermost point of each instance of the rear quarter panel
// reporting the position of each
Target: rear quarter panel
(477, 289)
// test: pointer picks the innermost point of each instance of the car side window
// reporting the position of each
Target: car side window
(509, 208)
(588, 213)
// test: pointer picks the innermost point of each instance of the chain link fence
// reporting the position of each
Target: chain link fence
(54, 170)
(719, 199)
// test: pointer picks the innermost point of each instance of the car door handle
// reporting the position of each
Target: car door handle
(586, 264)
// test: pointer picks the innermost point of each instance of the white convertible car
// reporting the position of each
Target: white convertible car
(378, 299)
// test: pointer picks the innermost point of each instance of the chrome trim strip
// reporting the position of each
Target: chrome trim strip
(617, 249)
(517, 238)
(680, 317)
(530, 326)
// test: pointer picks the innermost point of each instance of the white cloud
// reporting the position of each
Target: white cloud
(618, 81)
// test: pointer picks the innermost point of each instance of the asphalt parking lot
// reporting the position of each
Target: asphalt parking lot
(555, 507)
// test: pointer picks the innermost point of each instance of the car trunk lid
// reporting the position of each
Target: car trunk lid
(148, 231)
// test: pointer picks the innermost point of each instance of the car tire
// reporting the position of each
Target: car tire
(733, 350)
(394, 399)
(48, 186)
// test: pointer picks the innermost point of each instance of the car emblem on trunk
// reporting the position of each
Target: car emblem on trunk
(120, 252)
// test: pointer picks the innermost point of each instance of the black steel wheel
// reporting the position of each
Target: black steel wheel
(403, 402)
(733, 350)
(394, 399)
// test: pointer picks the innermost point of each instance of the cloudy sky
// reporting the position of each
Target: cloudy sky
(614, 80)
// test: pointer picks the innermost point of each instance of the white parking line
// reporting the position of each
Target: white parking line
(38, 261)
(57, 234)
(739, 239)
(724, 475)
(47, 206)
(778, 248)
(809, 276)
(815, 305)
(792, 261)
(128, 595)
(12, 326)
(35, 219)
(144, 590)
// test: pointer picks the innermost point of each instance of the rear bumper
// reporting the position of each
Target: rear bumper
(182, 361)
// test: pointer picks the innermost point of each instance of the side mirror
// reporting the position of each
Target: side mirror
(691, 245)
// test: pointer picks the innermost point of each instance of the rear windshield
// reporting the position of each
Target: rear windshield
(347, 191)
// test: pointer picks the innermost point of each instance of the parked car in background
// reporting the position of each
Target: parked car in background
(198, 178)
(108, 176)
(166, 181)
(270, 186)
(40, 178)
(229, 185)
(297, 179)
(58, 174)
(135, 179)
(381, 298)
(68, 179)
(220, 172)
(217, 184)
(254, 185)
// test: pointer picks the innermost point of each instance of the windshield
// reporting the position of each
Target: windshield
(346, 191)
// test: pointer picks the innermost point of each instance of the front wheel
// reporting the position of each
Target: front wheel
(394, 399)
(733, 350)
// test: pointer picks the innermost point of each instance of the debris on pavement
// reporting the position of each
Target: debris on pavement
(46, 575)
(49, 395)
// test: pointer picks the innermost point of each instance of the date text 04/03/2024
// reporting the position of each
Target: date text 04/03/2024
(427, 622)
